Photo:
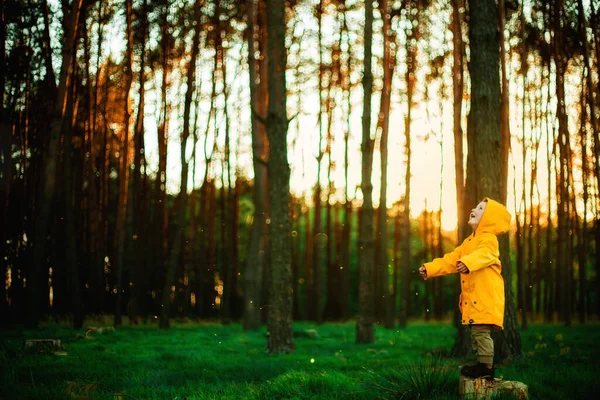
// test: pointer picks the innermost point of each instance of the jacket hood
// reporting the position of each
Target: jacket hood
(495, 218)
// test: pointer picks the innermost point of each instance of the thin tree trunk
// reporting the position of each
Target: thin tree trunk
(366, 304)
(253, 272)
(332, 305)
(71, 256)
(563, 179)
(5, 138)
(389, 64)
(345, 256)
(316, 286)
(522, 230)
(121, 225)
(161, 215)
(406, 236)
(462, 343)
(137, 207)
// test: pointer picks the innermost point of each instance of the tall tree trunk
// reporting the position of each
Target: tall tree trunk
(366, 304)
(97, 232)
(180, 225)
(253, 272)
(136, 207)
(160, 215)
(563, 178)
(583, 242)
(332, 289)
(121, 225)
(48, 181)
(484, 163)
(318, 239)
(5, 139)
(280, 276)
(345, 256)
(522, 230)
(71, 248)
(462, 344)
(581, 229)
(389, 64)
(406, 234)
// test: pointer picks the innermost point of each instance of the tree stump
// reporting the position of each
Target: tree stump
(43, 345)
(483, 389)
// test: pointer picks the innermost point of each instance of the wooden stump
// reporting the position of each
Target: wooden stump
(483, 389)
(43, 345)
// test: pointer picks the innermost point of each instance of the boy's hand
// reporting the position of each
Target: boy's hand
(423, 271)
(462, 268)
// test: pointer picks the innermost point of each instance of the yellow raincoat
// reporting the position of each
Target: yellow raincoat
(482, 289)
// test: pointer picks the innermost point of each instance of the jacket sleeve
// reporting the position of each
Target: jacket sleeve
(486, 254)
(443, 266)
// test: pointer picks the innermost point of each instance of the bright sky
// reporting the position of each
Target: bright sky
(427, 156)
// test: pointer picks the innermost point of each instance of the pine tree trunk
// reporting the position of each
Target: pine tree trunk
(389, 63)
(71, 256)
(462, 344)
(252, 275)
(485, 163)
(563, 178)
(136, 206)
(406, 236)
(366, 304)
(161, 215)
(316, 287)
(280, 276)
(122, 227)
(345, 256)
(5, 138)
(48, 181)
(332, 305)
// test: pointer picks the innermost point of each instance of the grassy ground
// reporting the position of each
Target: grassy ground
(210, 361)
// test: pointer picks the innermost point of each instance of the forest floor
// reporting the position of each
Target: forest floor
(212, 361)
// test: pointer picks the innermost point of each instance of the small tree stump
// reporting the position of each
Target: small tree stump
(43, 345)
(481, 388)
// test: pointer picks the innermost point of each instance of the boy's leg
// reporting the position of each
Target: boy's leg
(484, 343)
(483, 346)
(473, 341)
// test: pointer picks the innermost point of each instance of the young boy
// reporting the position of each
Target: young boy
(482, 297)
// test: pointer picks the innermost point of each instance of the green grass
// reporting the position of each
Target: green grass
(211, 361)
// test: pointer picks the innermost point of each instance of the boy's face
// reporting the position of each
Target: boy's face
(476, 214)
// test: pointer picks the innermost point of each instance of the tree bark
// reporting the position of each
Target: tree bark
(389, 64)
(316, 286)
(366, 304)
(563, 176)
(345, 255)
(122, 227)
(137, 207)
(462, 344)
(71, 248)
(253, 272)
(280, 276)
(484, 162)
